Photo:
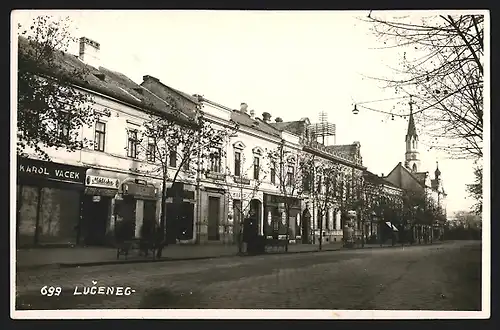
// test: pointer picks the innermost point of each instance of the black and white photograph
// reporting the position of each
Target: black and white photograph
(318, 164)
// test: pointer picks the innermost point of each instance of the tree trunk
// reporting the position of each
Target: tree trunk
(362, 232)
(240, 228)
(320, 232)
(287, 228)
(162, 216)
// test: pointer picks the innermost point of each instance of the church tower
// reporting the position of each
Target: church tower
(437, 177)
(412, 161)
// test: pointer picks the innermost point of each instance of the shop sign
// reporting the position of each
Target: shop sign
(246, 196)
(50, 170)
(133, 189)
(100, 191)
(101, 182)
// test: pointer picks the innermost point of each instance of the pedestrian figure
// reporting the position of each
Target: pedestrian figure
(250, 231)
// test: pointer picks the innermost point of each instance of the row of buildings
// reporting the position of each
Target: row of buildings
(78, 197)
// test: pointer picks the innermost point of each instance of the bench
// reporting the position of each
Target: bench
(144, 246)
(275, 243)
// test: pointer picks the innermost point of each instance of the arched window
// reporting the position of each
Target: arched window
(414, 168)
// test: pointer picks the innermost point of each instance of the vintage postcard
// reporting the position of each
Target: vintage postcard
(250, 164)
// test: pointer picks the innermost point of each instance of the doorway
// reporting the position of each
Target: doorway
(185, 228)
(213, 218)
(236, 220)
(96, 214)
(306, 225)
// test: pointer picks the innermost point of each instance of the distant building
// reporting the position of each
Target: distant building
(411, 178)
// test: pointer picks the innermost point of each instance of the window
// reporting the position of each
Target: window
(290, 175)
(215, 160)
(273, 172)
(187, 163)
(132, 144)
(256, 168)
(150, 155)
(172, 158)
(237, 163)
(306, 182)
(319, 183)
(327, 219)
(100, 135)
(63, 126)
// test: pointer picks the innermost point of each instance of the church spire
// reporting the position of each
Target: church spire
(412, 161)
(412, 131)
(437, 173)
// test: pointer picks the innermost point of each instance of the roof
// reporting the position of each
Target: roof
(297, 127)
(420, 176)
(375, 179)
(244, 119)
(348, 151)
(113, 84)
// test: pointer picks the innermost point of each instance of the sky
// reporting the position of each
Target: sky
(290, 64)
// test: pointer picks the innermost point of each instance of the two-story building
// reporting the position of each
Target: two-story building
(77, 197)
(348, 183)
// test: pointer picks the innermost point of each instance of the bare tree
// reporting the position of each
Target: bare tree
(289, 168)
(194, 148)
(50, 109)
(475, 190)
(442, 67)
(322, 189)
(238, 178)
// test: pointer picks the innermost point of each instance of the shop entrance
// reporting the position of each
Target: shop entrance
(213, 218)
(95, 219)
(185, 228)
(306, 225)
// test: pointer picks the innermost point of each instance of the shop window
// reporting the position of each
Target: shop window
(59, 209)
(26, 221)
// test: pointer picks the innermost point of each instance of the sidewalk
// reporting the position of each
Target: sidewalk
(93, 256)
(88, 256)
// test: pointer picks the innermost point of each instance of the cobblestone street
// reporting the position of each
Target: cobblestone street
(431, 277)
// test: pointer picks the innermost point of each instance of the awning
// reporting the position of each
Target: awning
(390, 225)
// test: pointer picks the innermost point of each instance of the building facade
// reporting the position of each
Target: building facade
(78, 197)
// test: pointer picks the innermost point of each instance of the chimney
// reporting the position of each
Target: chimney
(252, 114)
(243, 107)
(89, 52)
(150, 78)
(266, 116)
(278, 120)
(382, 175)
